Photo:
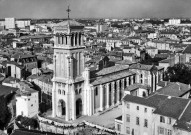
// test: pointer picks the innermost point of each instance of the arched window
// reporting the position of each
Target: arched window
(96, 91)
(80, 90)
(63, 92)
(59, 91)
(125, 83)
(76, 91)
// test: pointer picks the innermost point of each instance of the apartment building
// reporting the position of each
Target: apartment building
(155, 115)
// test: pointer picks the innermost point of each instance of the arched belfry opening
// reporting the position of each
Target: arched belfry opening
(61, 108)
(78, 108)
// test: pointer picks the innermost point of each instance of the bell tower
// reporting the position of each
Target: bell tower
(68, 67)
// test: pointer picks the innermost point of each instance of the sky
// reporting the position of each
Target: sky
(95, 8)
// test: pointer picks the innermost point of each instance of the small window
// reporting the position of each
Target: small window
(145, 123)
(137, 107)
(59, 91)
(96, 91)
(169, 121)
(29, 99)
(145, 110)
(128, 130)
(169, 132)
(161, 130)
(128, 105)
(32, 105)
(127, 118)
(137, 120)
(162, 119)
(118, 127)
(76, 91)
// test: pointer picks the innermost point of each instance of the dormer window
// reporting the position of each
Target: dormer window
(162, 119)
(169, 120)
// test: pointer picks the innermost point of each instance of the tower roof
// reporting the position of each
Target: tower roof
(69, 22)
(68, 26)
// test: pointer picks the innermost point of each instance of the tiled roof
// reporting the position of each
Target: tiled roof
(45, 78)
(21, 55)
(136, 86)
(163, 83)
(35, 36)
(185, 121)
(114, 53)
(176, 89)
(172, 107)
(70, 22)
(112, 69)
(112, 77)
(11, 80)
(187, 49)
(128, 54)
(163, 51)
(125, 62)
(150, 47)
(183, 125)
(16, 64)
(144, 67)
(187, 114)
(165, 105)
(165, 61)
(161, 55)
(169, 32)
(127, 47)
(26, 92)
(31, 132)
(6, 90)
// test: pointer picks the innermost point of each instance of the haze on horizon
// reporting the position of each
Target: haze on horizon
(95, 8)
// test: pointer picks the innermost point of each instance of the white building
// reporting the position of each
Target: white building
(155, 115)
(27, 102)
(9, 23)
(23, 23)
(101, 27)
(174, 21)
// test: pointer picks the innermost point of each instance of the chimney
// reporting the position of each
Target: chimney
(169, 97)
(29, 127)
(178, 86)
(165, 83)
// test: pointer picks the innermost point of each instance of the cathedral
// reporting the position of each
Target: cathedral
(77, 90)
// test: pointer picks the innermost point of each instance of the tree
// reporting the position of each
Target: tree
(178, 73)
(33, 30)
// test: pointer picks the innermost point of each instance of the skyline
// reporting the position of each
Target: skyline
(95, 8)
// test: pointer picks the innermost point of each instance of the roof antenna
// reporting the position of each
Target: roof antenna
(68, 10)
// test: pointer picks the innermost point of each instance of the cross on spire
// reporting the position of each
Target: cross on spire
(68, 10)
